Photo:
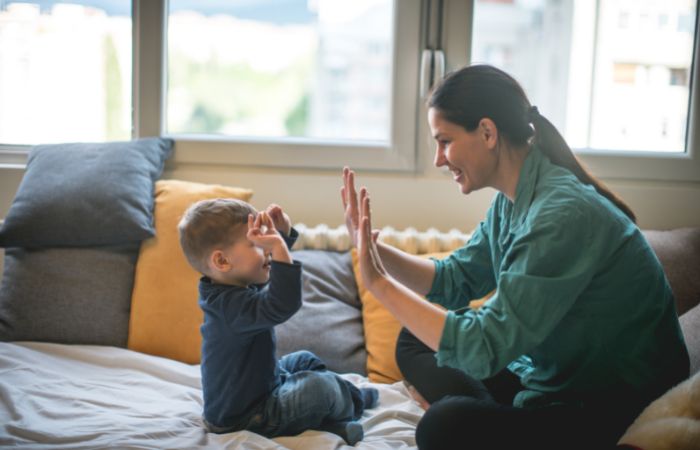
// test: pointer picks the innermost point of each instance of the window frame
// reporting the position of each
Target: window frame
(643, 165)
(654, 165)
(150, 19)
(409, 128)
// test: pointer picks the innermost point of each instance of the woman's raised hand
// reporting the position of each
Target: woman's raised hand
(349, 197)
(350, 205)
(371, 267)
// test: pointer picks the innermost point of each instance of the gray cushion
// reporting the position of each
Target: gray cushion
(329, 322)
(690, 324)
(67, 295)
(79, 195)
(679, 253)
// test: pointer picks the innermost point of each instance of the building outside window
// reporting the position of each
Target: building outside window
(611, 74)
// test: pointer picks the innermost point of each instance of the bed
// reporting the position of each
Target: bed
(59, 396)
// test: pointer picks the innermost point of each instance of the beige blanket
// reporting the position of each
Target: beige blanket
(672, 422)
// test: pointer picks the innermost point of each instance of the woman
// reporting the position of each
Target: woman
(581, 331)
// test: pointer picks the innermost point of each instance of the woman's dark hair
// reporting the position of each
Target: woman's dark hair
(466, 96)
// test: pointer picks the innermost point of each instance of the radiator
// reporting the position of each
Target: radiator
(410, 240)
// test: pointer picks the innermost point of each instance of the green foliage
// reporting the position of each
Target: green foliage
(298, 118)
(204, 120)
(231, 96)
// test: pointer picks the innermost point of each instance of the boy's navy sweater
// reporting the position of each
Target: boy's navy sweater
(239, 367)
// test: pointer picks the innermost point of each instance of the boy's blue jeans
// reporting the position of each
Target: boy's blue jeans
(309, 397)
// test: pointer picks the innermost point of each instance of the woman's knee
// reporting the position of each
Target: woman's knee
(457, 422)
(439, 428)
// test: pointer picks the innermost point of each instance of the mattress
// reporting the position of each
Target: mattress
(55, 396)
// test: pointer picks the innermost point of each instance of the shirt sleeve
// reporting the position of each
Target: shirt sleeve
(291, 239)
(545, 270)
(270, 305)
(466, 274)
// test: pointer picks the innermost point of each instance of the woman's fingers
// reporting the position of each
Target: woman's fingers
(344, 192)
(350, 204)
(370, 235)
(365, 218)
(352, 194)
(367, 215)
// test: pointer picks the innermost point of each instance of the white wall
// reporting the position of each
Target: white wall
(423, 200)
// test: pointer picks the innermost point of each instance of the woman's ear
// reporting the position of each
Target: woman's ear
(219, 262)
(489, 132)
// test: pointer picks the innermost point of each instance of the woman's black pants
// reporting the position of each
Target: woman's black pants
(470, 414)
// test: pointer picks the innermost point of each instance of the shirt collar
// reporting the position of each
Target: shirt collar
(525, 189)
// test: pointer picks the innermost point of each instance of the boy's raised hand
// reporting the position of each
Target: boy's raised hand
(262, 233)
(280, 219)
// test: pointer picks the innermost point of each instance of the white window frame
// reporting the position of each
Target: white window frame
(660, 166)
(150, 18)
(410, 135)
(647, 165)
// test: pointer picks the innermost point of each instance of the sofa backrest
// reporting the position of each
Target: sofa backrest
(679, 253)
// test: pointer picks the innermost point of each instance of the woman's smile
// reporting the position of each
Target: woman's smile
(457, 175)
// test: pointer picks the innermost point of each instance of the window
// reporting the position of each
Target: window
(292, 82)
(319, 70)
(606, 74)
(617, 77)
(50, 95)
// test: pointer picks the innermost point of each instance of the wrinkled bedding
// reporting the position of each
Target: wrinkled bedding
(57, 396)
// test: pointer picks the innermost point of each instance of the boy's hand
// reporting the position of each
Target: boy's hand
(280, 219)
(263, 234)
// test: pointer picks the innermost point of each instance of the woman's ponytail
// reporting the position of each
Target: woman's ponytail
(550, 142)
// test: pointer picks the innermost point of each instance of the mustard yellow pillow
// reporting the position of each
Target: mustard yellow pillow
(381, 330)
(165, 317)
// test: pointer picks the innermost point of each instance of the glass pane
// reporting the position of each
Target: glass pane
(318, 69)
(611, 74)
(65, 71)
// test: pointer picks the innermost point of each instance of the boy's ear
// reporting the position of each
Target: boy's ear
(218, 261)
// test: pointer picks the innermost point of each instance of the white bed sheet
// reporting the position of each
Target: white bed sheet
(85, 397)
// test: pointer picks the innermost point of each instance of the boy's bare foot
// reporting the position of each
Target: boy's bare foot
(422, 402)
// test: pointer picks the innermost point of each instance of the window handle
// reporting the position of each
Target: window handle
(426, 72)
(438, 66)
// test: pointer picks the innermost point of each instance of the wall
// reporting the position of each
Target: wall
(427, 199)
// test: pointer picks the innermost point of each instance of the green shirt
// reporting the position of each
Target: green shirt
(582, 305)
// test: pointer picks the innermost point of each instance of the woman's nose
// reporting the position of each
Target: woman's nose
(439, 160)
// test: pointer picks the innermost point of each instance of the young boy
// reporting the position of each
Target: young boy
(250, 284)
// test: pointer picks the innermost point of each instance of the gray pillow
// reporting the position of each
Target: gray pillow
(690, 324)
(329, 322)
(79, 195)
(67, 295)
